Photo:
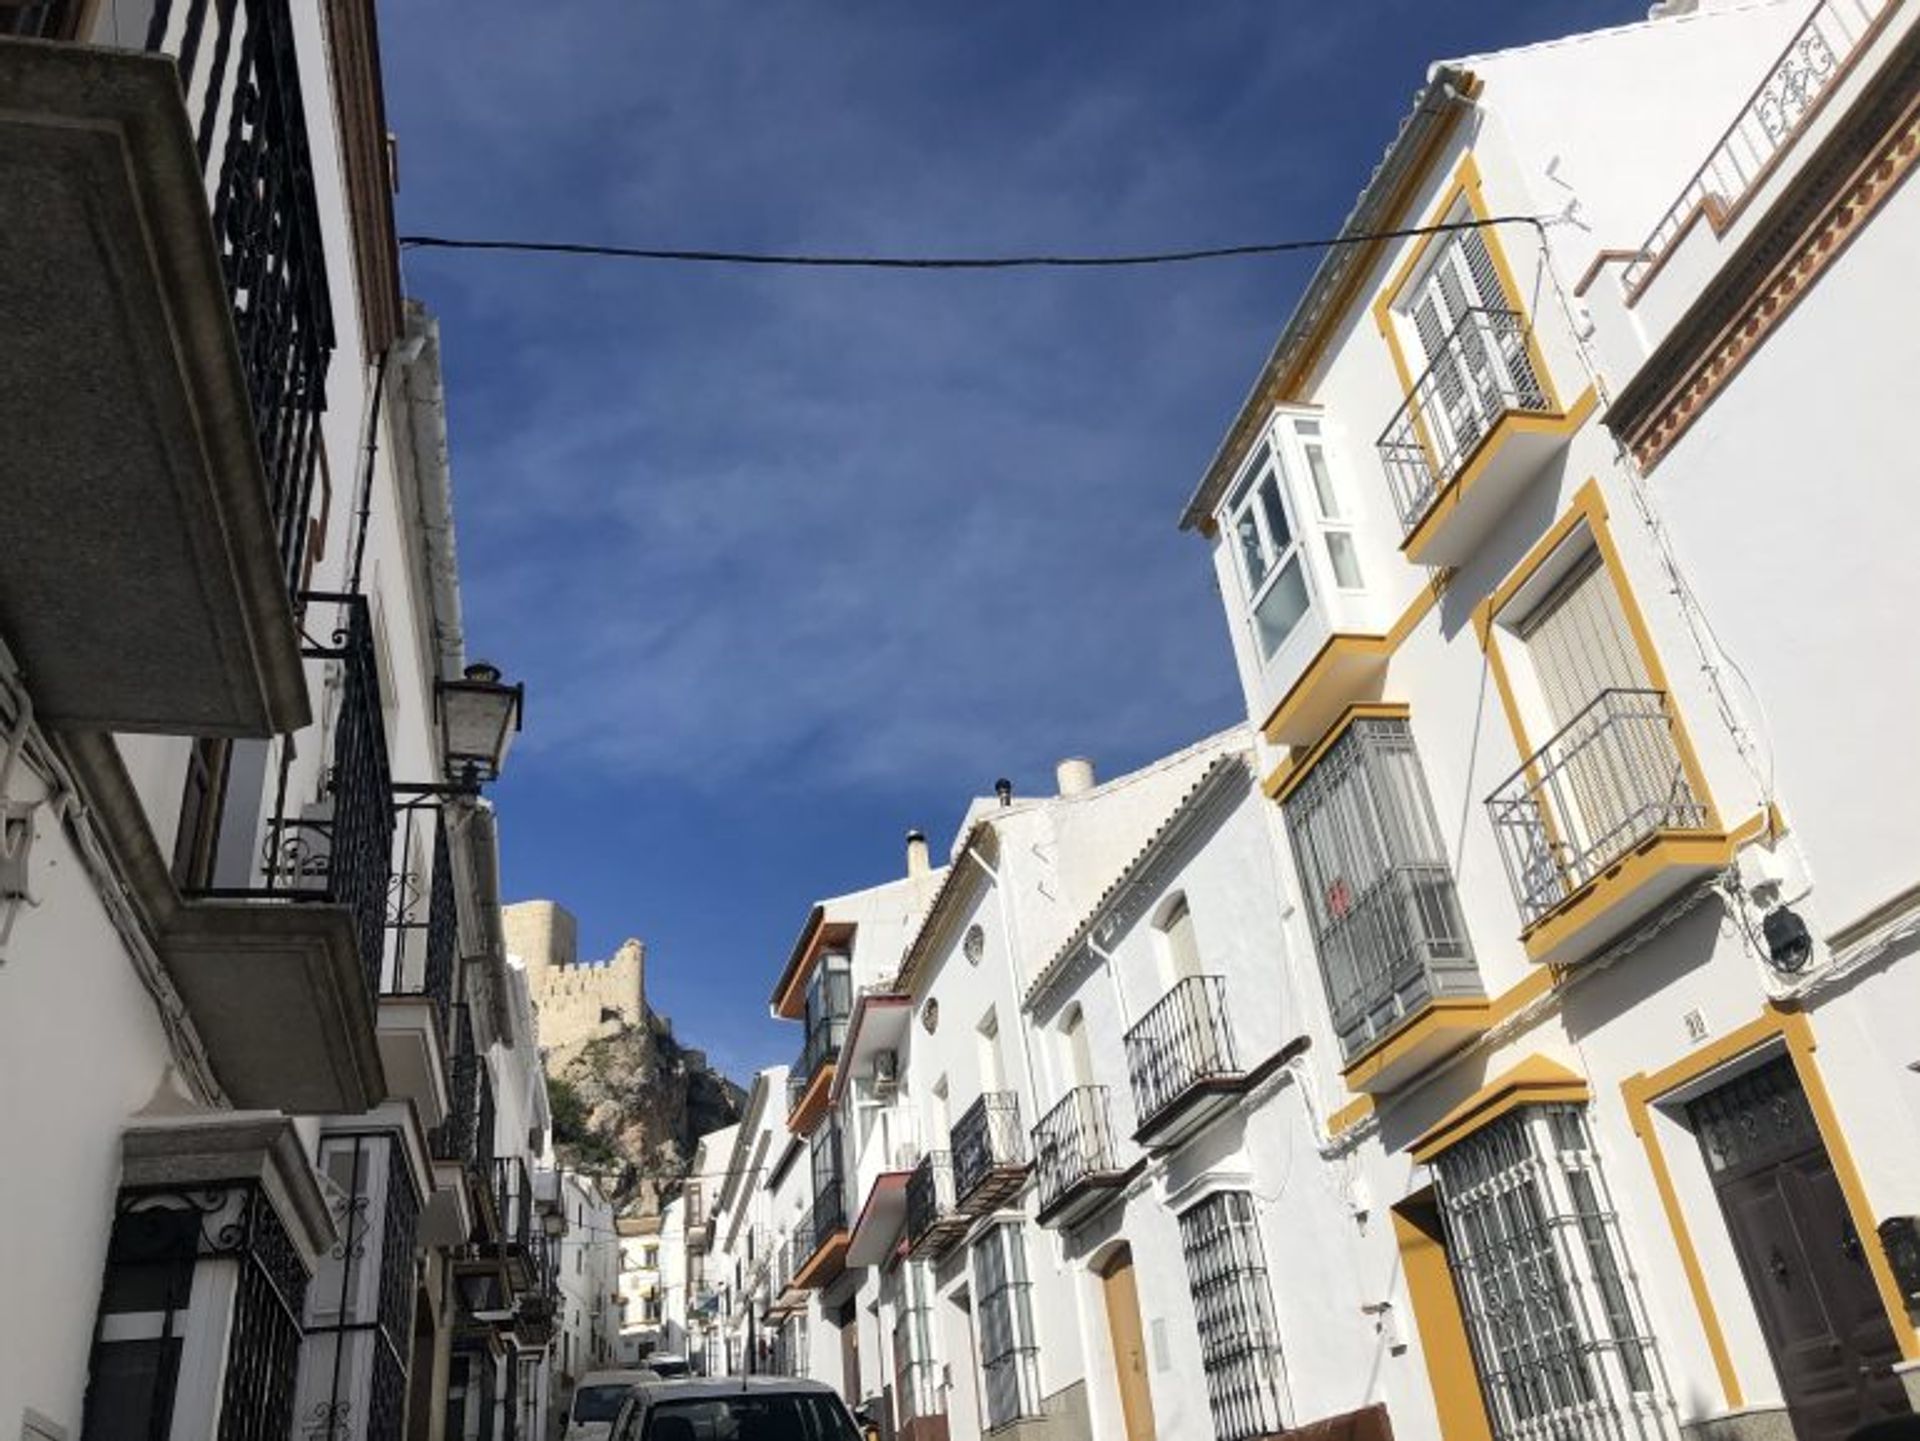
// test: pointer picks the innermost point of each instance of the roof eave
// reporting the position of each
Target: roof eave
(1448, 92)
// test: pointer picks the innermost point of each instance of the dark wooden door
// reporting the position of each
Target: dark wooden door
(1800, 1254)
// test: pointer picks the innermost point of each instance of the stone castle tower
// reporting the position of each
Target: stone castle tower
(577, 1003)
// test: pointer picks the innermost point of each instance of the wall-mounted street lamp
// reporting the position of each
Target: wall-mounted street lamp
(479, 717)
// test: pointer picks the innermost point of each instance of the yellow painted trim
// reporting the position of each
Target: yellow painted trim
(1514, 422)
(1533, 1081)
(1360, 644)
(1448, 1013)
(1642, 1091)
(1457, 1398)
(1588, 508)
(1516, 998)
(813, 1101)
(1349, 1115)
(1291, 771)
(1661, 851)
(1338, 645)
(1466, 186)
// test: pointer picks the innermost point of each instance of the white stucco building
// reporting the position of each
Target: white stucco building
(1602, 876)
(257, 1020)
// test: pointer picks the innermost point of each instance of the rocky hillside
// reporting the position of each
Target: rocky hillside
(632, 1104)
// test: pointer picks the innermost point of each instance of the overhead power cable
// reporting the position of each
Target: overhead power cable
(949, 262)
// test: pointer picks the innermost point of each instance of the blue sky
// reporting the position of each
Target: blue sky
(791, 562)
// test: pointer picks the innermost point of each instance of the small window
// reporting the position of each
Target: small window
(1179, 947)
(1336, 519)
(1269, 557)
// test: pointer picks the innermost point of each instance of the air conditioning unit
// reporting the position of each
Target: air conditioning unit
(886, 1072)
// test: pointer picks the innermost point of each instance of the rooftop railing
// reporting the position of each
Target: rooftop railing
(1610, 779)
(1184, 1041)
(1792, 91)
(1483, 372)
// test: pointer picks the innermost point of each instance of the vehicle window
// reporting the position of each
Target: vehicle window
(751, 1417)
(599, 1403)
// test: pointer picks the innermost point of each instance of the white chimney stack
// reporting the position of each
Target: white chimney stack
(917, 862)
(1075, 775)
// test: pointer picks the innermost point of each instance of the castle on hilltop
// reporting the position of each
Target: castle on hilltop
(577, 1002)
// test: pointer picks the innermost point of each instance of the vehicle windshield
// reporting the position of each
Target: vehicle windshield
(599, 1403)
(750, 1417)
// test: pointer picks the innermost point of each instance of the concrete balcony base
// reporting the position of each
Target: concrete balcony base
(140, 575)
(280, 1001)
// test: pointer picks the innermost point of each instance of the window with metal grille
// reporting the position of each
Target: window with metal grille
(916, 1376)
(1386, 922)
(1233, 1309)
(1559, 1335)
(1009, 1352)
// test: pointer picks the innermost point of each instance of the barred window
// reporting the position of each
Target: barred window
(1559, 1335)
(1009, 1354)
(916, 1376)
(1233, 1308)
(1386, 922)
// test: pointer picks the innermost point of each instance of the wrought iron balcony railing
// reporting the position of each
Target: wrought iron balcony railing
(422, 917)
(1792, 91)
(933, 1220)
(989, 1151)
(1483, 372)
(483, 1128)
(339, 850)
(1611, 779)
(820, 1222)
(454, 1138)
(1183, 1042)
(821, 1049)
(239, 69)
(1073, 1144)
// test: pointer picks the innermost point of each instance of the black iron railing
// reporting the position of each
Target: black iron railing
(1074, 1143)
(930, 1196)
(483, 1126)
(987, 1140)
(1609, 780)
(266, 221)
(1182, 1042)
(339, 849)
(1482, 372)
(422, 918)
(821, 1221)
(453, 1139)
(37, 19)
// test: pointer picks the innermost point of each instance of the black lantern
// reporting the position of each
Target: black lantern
(479, 716)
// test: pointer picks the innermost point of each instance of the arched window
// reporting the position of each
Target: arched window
(1079, 1053)
(1178, 947)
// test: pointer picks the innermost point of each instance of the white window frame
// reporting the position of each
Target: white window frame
(1309, 435)
(1525, 1205)
(1266, 465)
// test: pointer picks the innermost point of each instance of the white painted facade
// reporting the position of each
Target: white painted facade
(269, 1090)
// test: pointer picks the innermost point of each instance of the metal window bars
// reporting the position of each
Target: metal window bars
(338, 849)
(1482, 371)
(1184, 1041)
(1233, 1310)
(1009, 1348)
(1792, 91)
(1557, 1327)
(1073, 1143)
(1608, 781)
(37, 19)
(823, 1219)
(989, 1151)
(1387, 924)
(453, 1139)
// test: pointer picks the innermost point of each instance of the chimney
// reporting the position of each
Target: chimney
(917, 863)
(1003, 788)
(1075, 775)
